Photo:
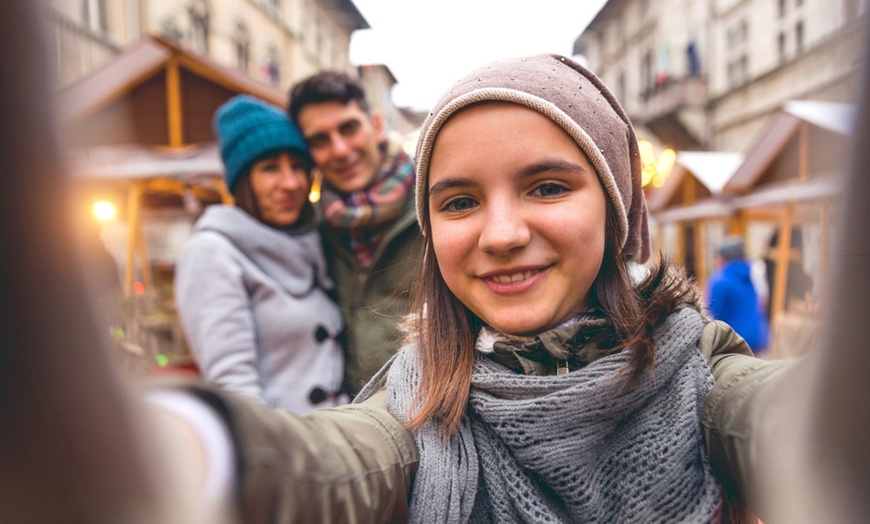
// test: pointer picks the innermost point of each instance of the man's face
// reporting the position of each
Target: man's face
(343, 140)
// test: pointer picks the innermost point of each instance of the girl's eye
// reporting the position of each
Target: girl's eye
(459, 204)
(549, 189)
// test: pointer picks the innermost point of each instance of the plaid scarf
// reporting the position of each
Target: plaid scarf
(362, 218)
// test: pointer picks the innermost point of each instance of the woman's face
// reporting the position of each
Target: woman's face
(517, 215)
(280, 185)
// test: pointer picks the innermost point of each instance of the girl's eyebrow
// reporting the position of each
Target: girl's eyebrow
(526, 171)
(550, 165)
(449, 183)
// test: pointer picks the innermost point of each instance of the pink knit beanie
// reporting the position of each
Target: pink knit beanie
(576, 100)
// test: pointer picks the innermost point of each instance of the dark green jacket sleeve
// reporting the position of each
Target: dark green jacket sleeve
(351, 464)
(739, 409)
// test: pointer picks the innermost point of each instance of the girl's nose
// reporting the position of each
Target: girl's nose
(504, 230)
(292, 177)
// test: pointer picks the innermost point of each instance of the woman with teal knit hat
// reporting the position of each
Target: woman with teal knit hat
(251, 282)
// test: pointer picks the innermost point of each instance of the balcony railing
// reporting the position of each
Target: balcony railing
(77, 49)
(671, 96)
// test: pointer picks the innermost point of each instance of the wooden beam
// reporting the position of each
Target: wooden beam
(134, 219)
(804, 152)
(737, 223)
(173, 104)
(147, 278)
(226, 196)
(680, 248)
(700, 253)
(783, 255)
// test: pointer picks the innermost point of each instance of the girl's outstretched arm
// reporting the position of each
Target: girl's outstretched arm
(72, 444)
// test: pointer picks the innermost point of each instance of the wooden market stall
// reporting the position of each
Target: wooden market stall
(690, 202)
(140, 130)
(792, 177)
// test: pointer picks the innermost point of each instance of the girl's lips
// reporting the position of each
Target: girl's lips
(290, 203)
(513, 282)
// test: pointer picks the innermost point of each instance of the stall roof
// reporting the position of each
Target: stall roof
(150, 91)
(134, 161)
(711, 169)
(704, 209)
(782, 129)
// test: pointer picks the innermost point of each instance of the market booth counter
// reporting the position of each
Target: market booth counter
(790, 184)
(145, 163)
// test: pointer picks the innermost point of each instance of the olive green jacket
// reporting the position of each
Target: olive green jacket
(373, 301)
(356, 463)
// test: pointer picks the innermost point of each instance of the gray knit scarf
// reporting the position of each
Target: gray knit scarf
(570, 448)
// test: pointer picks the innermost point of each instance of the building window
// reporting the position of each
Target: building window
(799, 3)
(693, 60)
(799, 36)
(170, 30)
(738, 70)
(647, 74)
(782, 49)
(198, 10)
(242, 45)
(782, 8)
(273, 65)
(94, 15)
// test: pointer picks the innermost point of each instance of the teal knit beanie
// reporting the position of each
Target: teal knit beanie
(249, 129)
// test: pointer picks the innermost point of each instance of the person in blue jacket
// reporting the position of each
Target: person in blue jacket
(733, 299)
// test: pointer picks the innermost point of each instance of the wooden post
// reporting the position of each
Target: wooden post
(226, 196)
(783, 255)
(804, 152)
(700, 254)
(680, 249)
(147, 277)
(134, 216)
(173, 104)
(737, 224)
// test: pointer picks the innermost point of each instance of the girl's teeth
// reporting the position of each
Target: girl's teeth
(510, 279)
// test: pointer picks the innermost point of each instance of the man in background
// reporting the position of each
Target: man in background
(368, 220)
(732, 297)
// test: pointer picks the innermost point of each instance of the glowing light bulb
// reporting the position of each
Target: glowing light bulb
(104, 211)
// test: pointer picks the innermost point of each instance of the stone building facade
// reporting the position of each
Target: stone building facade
(273, 41)
(706, 74)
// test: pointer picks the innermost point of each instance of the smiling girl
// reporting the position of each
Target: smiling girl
(549, 375)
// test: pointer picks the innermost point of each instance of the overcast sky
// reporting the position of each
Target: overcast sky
(428, 44)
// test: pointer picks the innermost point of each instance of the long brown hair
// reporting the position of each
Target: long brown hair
(445, 330)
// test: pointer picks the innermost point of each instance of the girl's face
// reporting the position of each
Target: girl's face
(280, 185)
(517, 215)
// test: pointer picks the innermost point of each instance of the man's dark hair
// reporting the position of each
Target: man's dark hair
(326, 86)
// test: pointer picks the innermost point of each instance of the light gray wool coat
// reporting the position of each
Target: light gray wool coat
(254, 308)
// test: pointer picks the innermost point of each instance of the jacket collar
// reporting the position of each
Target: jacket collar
(571, 345)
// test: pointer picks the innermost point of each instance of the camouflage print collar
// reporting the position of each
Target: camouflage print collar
(571, 345)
